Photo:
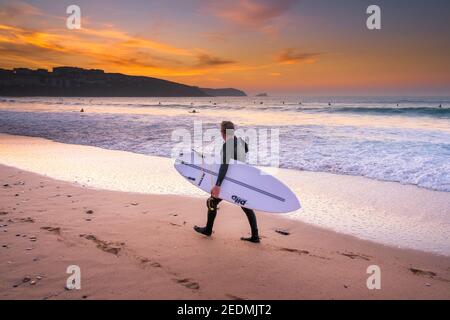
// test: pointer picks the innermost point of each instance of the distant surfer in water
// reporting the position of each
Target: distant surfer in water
(233, 148)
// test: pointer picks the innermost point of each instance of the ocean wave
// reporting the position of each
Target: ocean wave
(187, 106)
(411, 111)
(409, 107)
(410, 156)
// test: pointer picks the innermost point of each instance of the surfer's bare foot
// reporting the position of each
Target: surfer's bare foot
(202, 230)
(254, 239)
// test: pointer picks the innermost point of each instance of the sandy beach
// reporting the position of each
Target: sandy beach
(141, 246)
(328, 123)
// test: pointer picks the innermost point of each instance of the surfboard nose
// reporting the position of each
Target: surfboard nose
(297, 205)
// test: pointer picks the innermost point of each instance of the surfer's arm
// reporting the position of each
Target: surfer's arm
(215, 191)
(223, 167)
(222, 173)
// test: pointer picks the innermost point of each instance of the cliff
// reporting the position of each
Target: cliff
(77, 82)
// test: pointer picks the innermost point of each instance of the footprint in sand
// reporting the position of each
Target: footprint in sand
(145, 261)
(55, 230)
(429, 274)
(419, 272)
(353, 256)
(175, 224)
(282, 232)
(295, 250)
(305, 252)
(109, 247)
(188, 283)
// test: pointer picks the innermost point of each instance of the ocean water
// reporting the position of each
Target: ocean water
(400, 139)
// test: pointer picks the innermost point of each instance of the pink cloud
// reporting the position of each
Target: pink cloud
(251, 13)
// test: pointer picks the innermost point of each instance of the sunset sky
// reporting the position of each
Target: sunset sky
(280, 47)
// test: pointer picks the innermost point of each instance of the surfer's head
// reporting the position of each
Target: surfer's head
(227, 129)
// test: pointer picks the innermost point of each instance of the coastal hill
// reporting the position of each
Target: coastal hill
(226, 92)
(78, 82)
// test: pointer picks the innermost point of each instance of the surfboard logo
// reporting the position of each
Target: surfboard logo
(201, 178)
(238, 200)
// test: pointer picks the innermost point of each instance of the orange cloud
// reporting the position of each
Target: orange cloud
(106, 48)
(292, 56)
(208, 60)
(103, 46)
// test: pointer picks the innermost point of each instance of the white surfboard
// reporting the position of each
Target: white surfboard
(244, 185)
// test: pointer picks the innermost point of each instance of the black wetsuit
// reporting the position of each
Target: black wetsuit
(236, 149)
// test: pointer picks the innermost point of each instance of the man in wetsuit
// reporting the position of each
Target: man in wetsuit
(233, 148)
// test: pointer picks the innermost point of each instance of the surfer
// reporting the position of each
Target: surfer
(233, 148)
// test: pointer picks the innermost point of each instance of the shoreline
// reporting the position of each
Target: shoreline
(202, 198)
(384, 212)
(136, 246)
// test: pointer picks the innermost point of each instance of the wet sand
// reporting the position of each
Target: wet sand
(138, 246)
(385, 212)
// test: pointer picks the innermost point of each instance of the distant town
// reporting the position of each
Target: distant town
(78, 82)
